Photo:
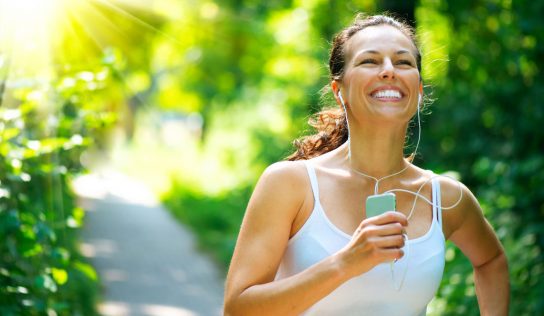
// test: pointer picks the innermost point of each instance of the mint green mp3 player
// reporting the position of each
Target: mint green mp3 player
(379, 204)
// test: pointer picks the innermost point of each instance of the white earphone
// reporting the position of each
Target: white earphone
(340, 97)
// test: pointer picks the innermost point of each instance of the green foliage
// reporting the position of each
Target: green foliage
(41, 271)
(486, 125)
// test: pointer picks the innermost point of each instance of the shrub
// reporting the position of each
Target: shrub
(41, 271)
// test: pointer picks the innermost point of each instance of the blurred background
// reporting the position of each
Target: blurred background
(195, 98)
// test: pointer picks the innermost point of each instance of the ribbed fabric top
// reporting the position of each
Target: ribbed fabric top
(373, 293)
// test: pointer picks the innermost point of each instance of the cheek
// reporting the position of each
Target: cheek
(412, 77)
(358, 78)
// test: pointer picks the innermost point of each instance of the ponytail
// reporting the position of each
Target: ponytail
(331, 127)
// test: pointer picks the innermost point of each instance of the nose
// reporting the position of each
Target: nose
(388, 70)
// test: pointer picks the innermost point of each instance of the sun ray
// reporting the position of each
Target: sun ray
(103, 38)
(43, 38)
(139, 21)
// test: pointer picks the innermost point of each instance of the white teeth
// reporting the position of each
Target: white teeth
(387, 94)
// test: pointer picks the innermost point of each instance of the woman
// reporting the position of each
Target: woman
(306, 244)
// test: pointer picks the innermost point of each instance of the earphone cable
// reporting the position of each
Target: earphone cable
(417, 194)
(376, 186)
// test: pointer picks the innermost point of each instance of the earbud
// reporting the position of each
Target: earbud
(419, 99)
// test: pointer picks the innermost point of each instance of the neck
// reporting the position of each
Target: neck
(376, 151)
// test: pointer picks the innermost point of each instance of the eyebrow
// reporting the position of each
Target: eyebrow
(400, 52)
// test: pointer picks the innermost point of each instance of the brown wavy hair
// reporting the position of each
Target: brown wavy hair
(330, 123)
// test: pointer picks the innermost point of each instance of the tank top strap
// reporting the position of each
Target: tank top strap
(313, 179)
(437, 204)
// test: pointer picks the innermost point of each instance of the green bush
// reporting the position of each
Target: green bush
(41, 271)
(487, 125)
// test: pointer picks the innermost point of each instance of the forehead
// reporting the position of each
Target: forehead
(381, 38)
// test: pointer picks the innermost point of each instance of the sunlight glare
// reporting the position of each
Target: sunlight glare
(25, 30)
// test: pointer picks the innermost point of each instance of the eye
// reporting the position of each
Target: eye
(368, 61)
(404, 62)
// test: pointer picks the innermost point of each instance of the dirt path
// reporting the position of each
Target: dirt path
(146, 260)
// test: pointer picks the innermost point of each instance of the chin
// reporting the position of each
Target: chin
(395, 114)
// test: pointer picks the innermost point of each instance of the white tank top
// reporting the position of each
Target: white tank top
(372, 293)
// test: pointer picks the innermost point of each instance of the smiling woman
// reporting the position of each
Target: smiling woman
(308, 244)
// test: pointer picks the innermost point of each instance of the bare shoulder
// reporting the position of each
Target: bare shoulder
(458, 204)
(292, 170)
(452, 190)
(285, 175)
(283, 184)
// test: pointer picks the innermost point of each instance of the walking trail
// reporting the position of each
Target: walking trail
(147, 262)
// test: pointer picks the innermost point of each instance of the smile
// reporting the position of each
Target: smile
(387, 94)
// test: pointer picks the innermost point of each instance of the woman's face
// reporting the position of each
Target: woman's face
(381, 79)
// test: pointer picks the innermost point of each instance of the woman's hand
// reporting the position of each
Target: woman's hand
(377, 240)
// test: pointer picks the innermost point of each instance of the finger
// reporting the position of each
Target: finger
(391, 254)
(388, 229)
(371, 233)
(390, 217)
(389, 242)
(369, 225)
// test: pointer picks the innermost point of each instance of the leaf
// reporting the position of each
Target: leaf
(59, 275)
(86, 269)
(9, 133)
(61, 255)
(76, 219)
(51, 144)
(31, 249)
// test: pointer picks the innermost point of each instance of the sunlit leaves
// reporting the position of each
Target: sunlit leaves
(487, 123)
(76, 219)
(434, 32)
(59, 275)
(86, 269)
(41, 148)
(289, 27)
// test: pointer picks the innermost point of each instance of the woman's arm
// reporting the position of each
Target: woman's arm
(263, 237)
(265, 231)
(493, 286)
(470, 231)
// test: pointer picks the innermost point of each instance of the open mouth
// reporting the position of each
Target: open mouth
(387, 95)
